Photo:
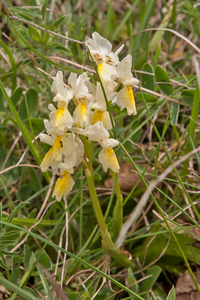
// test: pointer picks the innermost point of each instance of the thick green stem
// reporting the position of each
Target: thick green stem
(95, 203)
(118, 209)
(91, 185)
(107, 243)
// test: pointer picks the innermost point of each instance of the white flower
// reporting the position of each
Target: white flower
(55, 155)
(125, 97)
(103, 116)
(62, 91)
(60, 119)
(124, 72)
(100, 113)
(73, 153)
(63, 186)
(100, 49)
(107, 75)
(108, 159)
(82, 98)
(81, 113)
(79, 86)
(98, 133)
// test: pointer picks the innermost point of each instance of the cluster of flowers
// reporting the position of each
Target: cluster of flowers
(90, 117)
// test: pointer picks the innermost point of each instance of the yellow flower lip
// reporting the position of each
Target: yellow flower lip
(98, 116)
(57, 148)
(108, 159)
(125, 98)
(103, 116)
(63, 186)
(81, 115)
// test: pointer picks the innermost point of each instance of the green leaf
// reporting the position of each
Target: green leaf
(29, 222)
(137, 136)
(148, 283)
(3, 265)
(163, 81)
(46, 261)
(13, 64)
(16, 95)
(132, 281)
(9, 253)
(159, 293)
(37, 124)
(9, 234)
(174, 113)
(44, 8)
(73, 296)
(27, 256)
(188, 97)
(16, 210)
(59, 21)
(16, 273)
(25, 191)
(33, 213)
(11, 286)
(148, 97)
(172, 294)
(44, 283)
(60, 48)
(156, 55)
(35, 181)
(32, 101)
(34, 34)
(1, 101)
(148, 81)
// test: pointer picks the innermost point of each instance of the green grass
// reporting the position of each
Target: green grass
(55, 248)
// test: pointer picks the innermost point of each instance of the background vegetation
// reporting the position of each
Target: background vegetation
(44, 253)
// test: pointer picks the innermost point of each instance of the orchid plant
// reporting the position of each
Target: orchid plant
(71, 135)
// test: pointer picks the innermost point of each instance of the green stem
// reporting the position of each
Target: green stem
(95, 203)
(107, 243)
(91, 185)
(118, 209)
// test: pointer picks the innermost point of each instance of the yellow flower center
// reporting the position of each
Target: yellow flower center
(100, 67)
(130, 93)
(59, 115)
(97, 116)
(58, 145)
(83, 108)
(111, 153)
(63, 184)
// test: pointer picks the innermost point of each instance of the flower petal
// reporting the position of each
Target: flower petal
(81, 115)
(59, 87)
(103, 116)
(107, 73)
(63, 186)
(49, 161)
(124, 72)
(109, 143)
(126, 99)
(108, 159)
(60, 120)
